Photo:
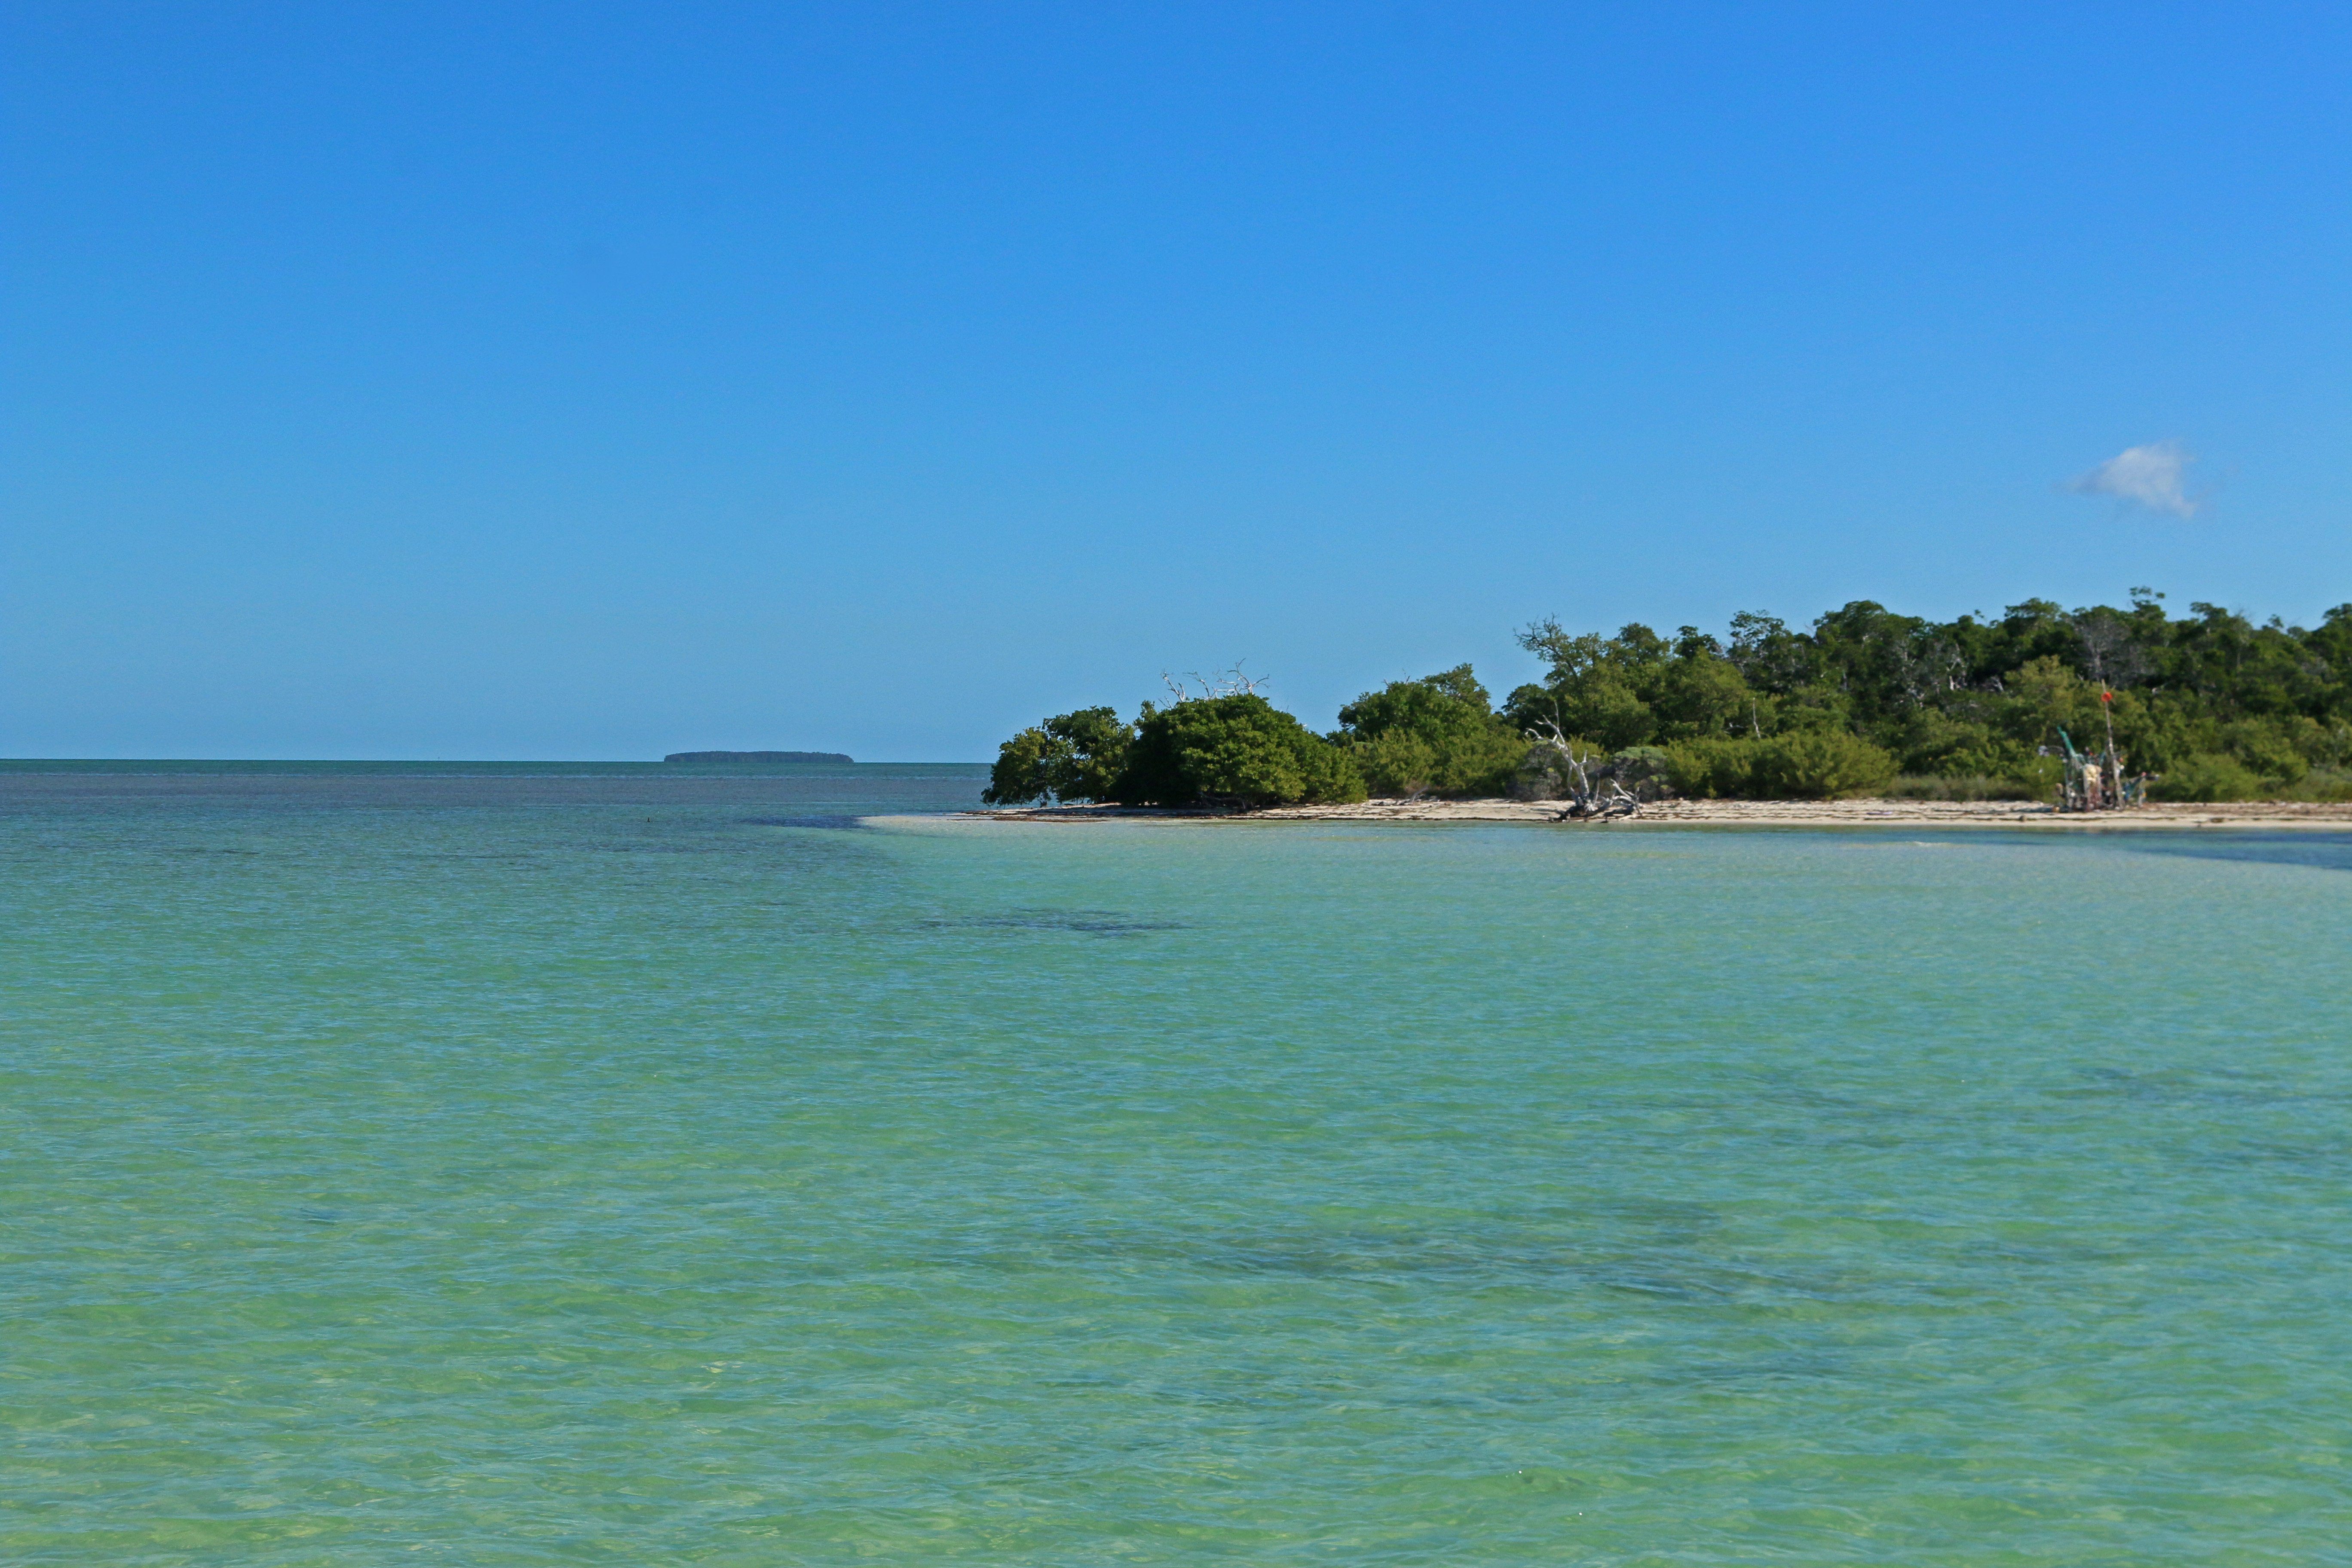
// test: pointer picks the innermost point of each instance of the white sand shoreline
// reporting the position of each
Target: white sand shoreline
(2007, 813)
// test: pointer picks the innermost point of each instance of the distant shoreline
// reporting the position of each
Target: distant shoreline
(763, 758)
(2009, 813)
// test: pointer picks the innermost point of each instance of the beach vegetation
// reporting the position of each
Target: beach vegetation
(2216, 704)
(1817, 763)
(2208, 776)
(1439, 735)
(1072, 757)
(2323, 784)
(1634, 689)
(1975, 698)
(1237, 750)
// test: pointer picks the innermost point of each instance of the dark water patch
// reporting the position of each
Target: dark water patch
(1794, 1367)
(1805, 1098)
(2316, 1158)
(2321, 851)
(836, 824)
(2215, 1087)
(1553, 1265)
(1783, 1088)
(1086, 923)
(1667, 1289)
(726, 841)
(1659, 1216)
(665, 848)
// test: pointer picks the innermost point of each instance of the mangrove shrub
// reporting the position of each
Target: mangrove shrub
(1070, 757)
(1437, 735)
(1238, 749)
(1803, 765)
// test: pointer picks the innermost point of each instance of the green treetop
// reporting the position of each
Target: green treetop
(1236, 749)
(1437, 735)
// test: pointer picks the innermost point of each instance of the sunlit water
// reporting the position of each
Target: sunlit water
(646, 1169)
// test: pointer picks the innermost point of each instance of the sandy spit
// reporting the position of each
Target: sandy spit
(2010, 814)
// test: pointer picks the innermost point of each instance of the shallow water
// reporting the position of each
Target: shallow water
(502, 1170)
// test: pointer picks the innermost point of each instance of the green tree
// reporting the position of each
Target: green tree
(1818, 764)
(1072, 756)
(1021, 770)
(1437, 735)
(1699, 690)
(1635, 688)
(1237, 750)
(1770, 657)
(1805, 764)
(1718, 768)
(2207, 775)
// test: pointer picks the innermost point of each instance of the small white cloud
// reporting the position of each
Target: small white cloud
(2149, 475)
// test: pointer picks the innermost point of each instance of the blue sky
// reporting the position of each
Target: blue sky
(598, 381)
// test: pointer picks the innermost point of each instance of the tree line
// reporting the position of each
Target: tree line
(2214, 705)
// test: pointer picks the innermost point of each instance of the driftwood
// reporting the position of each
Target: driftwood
(1587, 803)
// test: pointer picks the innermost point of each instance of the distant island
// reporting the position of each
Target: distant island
(757, 757)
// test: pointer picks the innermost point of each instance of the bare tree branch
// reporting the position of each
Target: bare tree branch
(1228, 682)
(1587, 802)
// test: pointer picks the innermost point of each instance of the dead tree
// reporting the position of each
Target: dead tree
(1229, 682)
(1587, 801)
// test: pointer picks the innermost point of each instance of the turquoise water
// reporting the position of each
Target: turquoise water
(514, 1170)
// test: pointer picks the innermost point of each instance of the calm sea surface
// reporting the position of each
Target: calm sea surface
(635, 1166)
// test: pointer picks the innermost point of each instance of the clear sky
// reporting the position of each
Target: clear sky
(581, 379)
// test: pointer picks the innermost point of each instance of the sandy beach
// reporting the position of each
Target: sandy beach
(2009, 813)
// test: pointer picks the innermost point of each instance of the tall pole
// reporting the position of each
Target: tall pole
(2113, 765)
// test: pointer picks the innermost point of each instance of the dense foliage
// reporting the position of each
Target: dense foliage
(2222, 708)
(1072, 756)
(1437, 735)
(1236, 749)
(1804, 764)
